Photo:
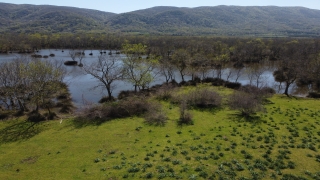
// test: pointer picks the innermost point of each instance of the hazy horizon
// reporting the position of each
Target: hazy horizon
(123, 6)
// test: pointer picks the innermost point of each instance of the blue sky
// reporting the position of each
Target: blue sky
(120, 6)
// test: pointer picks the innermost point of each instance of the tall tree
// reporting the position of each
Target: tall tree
(293, 63)
(180, 59)
(107, 70)
(137, 68)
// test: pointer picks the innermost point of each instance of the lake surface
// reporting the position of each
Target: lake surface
(82, 85)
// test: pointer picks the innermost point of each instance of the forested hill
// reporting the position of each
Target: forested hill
(45, 18)
(222, 20)
(268, 21)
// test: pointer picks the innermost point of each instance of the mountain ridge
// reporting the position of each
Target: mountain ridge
(204, 20)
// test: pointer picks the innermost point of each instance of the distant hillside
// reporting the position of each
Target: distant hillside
(268, 21)
(222, 20)
(45, 18)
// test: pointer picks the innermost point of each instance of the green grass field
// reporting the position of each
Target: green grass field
(282, 143)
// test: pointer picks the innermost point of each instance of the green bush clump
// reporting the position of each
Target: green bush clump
(185, 116)
(204, 98)
(155, 115)
(128, 107)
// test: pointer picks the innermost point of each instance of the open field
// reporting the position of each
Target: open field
(281, 143)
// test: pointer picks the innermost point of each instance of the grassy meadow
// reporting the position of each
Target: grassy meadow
(281, 143)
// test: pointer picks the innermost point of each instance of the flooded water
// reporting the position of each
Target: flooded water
(82, 85)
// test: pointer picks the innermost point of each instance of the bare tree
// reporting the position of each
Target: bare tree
(238, 73)
(76, 56)
(107, 70)
(256, 75)
(166, 70)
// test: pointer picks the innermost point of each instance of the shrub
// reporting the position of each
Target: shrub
(185, 116)
(127, 107)
(35, 117)
(128, 93)
(50, 116)
(106, 99)
(155, 115)
(125, 94)
(63, 96)
(208, 80)
(191, 83)
(205, 98)
(258, 93)
(313, 95)
(268, 90)
(4, 115)
(165, 92)
(217, 82)
(232, 85)
(246, 103)
(66, 108)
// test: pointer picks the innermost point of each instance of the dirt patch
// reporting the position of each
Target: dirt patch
(30, 160)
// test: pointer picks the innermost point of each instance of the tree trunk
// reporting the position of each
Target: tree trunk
(109, 92)
(22, 108)
(182, 76)
(286, 91)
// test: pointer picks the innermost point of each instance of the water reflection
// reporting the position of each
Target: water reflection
(82, 86)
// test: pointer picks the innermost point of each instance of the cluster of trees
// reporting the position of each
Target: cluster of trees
(33, 83)
(28, 85)
(293, 61)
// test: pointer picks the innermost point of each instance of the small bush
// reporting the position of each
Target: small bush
(185, 116)
(208, 80)
(63, 96)
(191, 83)
(36, 117)
(203, 98)
(232, 85)
(130, 94)
(125, 94)
(258, 93)
(50, 116)
(246, 103)
(156, 116)
(65, 107)
(313, 95)
(128, 107)
(165, 92)
(217, 82)
(268, 90)
(4, 115)
(106, 99)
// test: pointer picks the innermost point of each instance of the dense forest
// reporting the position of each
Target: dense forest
(269, 21)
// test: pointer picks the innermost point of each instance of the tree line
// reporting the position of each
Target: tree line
(33, 84)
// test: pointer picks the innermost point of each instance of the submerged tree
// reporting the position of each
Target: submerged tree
(138, 70)
(181, 59)
(294, 61)
(44, 79)
(30, 84)
(107, 70)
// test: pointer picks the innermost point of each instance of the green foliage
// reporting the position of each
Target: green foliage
(136, 69)
(128, 148)
(30, 84)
